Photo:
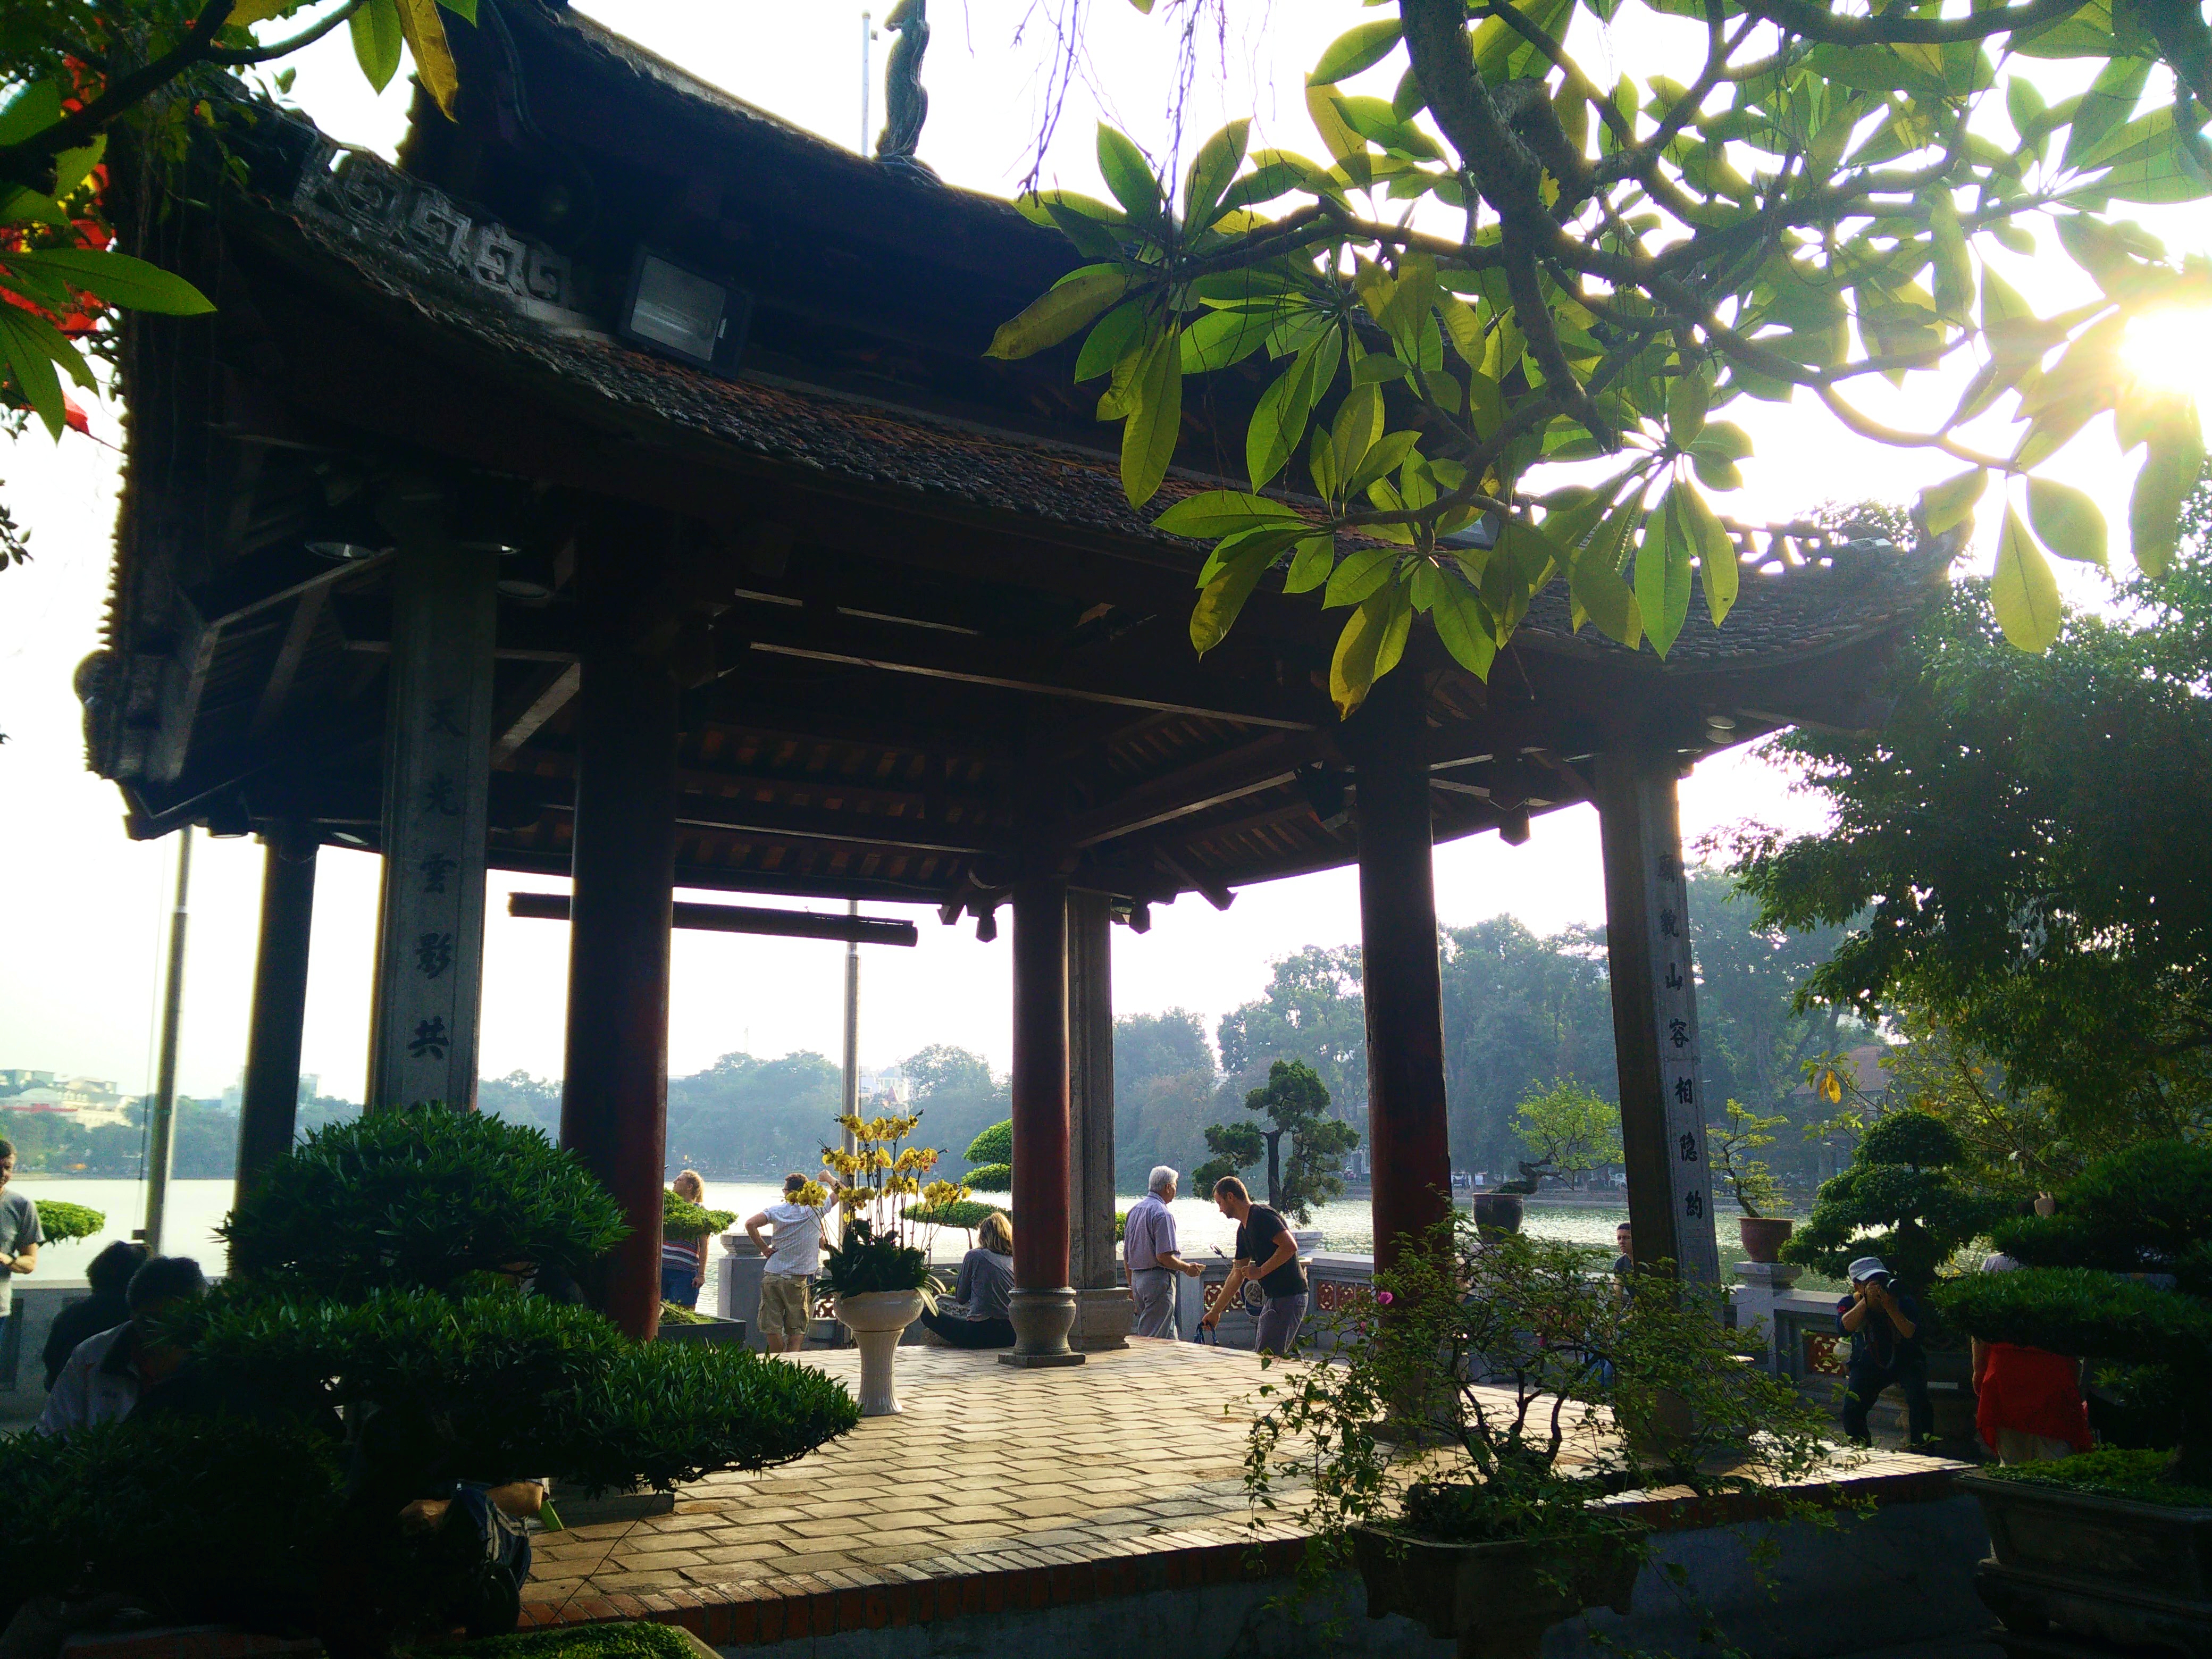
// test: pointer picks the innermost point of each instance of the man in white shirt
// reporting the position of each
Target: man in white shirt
(793, 1252)
(1148, 1246)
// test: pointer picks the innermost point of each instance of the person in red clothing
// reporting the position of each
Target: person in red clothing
(2028, 1403)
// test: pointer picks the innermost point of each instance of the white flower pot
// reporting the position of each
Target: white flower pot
(877, 1321)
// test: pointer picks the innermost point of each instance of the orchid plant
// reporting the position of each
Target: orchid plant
(884, 1245)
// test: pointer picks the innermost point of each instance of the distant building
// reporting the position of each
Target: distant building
(44, 1097)
(12, 1078)
(96, 1102)
(885, 1087)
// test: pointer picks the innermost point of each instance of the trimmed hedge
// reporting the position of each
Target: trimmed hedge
(682, 1219)
(62, 1221)
(421, 1197)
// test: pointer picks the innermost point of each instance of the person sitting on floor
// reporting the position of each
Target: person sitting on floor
(975, 1316)
(111, 1376)
(109, 1276)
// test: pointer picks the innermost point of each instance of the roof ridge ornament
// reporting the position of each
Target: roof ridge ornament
(906, 105)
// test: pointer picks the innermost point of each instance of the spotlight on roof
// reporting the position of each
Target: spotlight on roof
(1513, 828)
(682, 315)
(987, 926)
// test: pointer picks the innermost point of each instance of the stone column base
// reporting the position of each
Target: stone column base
(1041, 1319)
(1104, 1319)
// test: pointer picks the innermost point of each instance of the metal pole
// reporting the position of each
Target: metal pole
(165, 1086)
(852, 1024)
(867, 33)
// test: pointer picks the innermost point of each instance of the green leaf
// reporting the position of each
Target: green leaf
(1279, 419)
(1717, 563)
(1358, 423)
(1267, 180)
(425, 35)
(1951, 501)
(1148, 438)
(1221, 513)
(1373, 641)
(1385, 457)
(2110, 100)
(1128, 175)
(1358, 49)
(1216, 611)
(2170, 470)
(1077, 299)
(1363, 570)
(2023, 591)
(1210, 170)
(1376, 368)
(1311, 565)
(2066, 521)
(1462, 625)
(1594, 577)
(377, 40)
(29, 361)
(462, 8)
(117, 278)
(1954, 268)
(1119, 332)
(1687, 399)
(1219, 339)
(1663, 575)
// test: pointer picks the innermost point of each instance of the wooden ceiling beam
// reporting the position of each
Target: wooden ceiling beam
(1218, 779)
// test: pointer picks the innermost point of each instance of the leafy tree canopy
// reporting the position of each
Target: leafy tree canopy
(1298, 1105)
(1617, 261)
(2020, 852)
(1568, 1130)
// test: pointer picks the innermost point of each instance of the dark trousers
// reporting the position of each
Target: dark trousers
(677, 1286)
(1862, 1386)
(970, 1333)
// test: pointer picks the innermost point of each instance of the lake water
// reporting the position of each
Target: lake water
(196, 1207)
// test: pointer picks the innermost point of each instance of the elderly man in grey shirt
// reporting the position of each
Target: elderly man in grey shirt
(1148, 1245)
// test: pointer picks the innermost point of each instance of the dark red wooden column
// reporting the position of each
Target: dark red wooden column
(1654, 1011)
(1400, 977)
(614, 1097)
(269, 1109)
(1043, 1303)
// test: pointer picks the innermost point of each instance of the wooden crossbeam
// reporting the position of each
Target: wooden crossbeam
(745, 919)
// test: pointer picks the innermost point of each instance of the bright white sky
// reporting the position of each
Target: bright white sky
(81, 909)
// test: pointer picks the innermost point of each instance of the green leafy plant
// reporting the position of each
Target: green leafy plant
(963, 1215)
(61, 1222)
(633, 1640)
(680, 1219)
(991, 1159)
(675, 1313)
(1297, 1104)
(1459, 1402)
(420, 1196)
(1730, 1145)
(2081, 1289)
(1904, 1197)
(1569, 1129)
(1449, 377)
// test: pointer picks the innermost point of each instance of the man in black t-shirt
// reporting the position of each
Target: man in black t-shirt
(1265, 1252)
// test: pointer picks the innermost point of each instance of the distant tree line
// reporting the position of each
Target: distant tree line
(1522, 1015)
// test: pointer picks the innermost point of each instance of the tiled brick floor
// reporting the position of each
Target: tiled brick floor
(989, 1471)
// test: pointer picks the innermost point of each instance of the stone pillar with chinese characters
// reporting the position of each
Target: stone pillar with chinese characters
(1654, 1012)
(437, 772)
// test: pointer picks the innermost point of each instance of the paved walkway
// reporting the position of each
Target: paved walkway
(1135, 1445)
(1140, 1452)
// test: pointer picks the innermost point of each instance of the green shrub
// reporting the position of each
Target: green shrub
(675, 1313)
(995, 1145)
(61, 1221)
(421, 1197)
(637, 1640)
(965, 1216)
(1903, 1199)
(2144, 1476)
(680, 1219)
(991, 1178)
(2144, 1211)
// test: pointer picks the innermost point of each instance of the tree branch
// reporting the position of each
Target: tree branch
(1817, 22)
(305, 37)
(21, 160)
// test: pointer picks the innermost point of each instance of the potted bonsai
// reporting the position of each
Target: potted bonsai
(377, 1332)
(878, 1271)
(1757, 1192)
(1482, 1411)
(1904, 1197)
(2115, 1544)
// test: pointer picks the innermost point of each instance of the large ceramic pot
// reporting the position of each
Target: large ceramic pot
(1495, 1600)
(1501, 1210)
(1764, 1235)
(2117, 1571)
(876, 1320)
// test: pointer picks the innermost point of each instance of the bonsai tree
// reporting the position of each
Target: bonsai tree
(1758, 1193)
(1456, 1411)
(1570, 1131)
(2093, 1281)
(378, 1282)
(682, 1219)
(1903, 1199)
(991, 1159)
(63, 1222)
(1297, 1104)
